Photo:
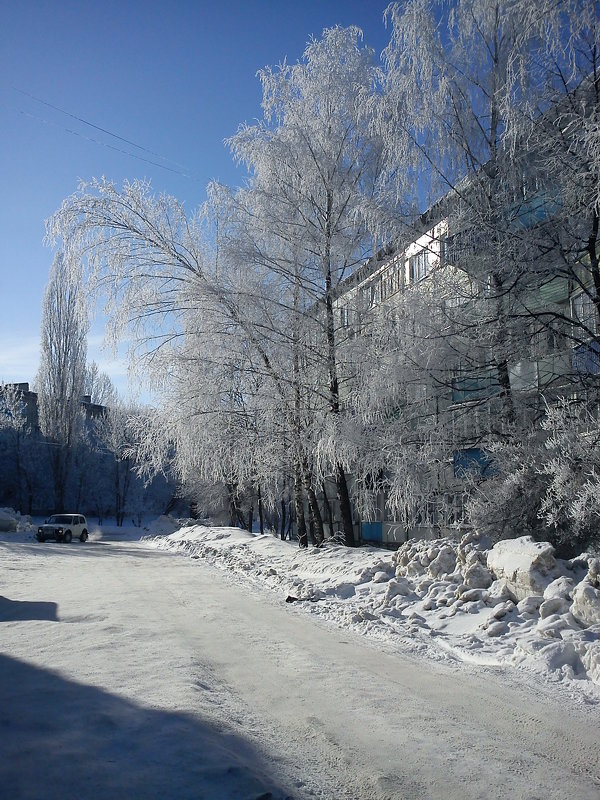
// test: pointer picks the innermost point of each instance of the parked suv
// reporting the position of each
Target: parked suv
(63, 527)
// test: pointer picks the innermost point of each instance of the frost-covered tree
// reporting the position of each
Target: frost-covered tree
(547, 483)
(319, 194)
(499, 102)
(114, 435)
(99, 387)
(560, 125)
(499, 123)
(397, 425)
(459, 71)
(61, 376)
(267, 281)
(13, 429)
(570, 508)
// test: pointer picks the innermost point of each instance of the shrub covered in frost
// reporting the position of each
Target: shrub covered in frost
(547, 484)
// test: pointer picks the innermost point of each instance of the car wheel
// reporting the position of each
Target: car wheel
(67, 537)
(39, 537)
(84, 536)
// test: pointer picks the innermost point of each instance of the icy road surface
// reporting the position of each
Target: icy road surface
(129, 672)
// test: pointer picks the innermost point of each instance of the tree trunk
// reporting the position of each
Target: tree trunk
(299, 508)
(328, 509)
(592, 248)
(235, 515)
(334, 393)
(503, 376)
(345, 506)
(316, 521)
(261, 517)
(282, 527)
(117, 494)
(59, 470)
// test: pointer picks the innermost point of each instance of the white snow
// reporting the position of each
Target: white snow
(11, 520)
(527, 566)
(429, 597)
(128, 671)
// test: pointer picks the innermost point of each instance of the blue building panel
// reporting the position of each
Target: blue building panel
(586, 359)
(473, 461)
(372, 531)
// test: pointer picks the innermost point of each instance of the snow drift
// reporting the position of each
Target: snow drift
(11, 520)
(512, 604)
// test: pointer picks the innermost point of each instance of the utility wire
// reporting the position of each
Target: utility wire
(185, 174)
(97, 127)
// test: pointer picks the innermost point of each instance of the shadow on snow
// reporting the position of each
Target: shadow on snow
(104, 547)
(11, 610)
(60, 739)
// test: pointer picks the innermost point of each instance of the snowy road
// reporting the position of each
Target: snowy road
(129, 672)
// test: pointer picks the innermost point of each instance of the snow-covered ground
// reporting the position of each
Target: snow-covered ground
(515, 605)
(128, 671)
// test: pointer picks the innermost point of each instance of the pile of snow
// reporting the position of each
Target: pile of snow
(11, 520)
(526, 566)
(514, 604)
(165, 525)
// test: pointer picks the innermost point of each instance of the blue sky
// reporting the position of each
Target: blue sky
(175, 79)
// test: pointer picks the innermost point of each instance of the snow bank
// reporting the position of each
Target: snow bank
(450, 599)
(527, 566)
(11, 520)
(164, 525)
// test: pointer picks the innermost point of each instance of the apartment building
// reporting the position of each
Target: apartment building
(548, 345)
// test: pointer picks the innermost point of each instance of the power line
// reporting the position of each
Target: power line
(97, 127)
(185, 174)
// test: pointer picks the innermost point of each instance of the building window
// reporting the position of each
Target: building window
(370, 295)
(418, 266)
(467, 387)
(444, 249)
(385, 285)
(454, 510)
(584, 313)
(547, 339)
(395, 275)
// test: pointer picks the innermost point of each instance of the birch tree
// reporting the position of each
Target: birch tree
(502, 119)
(159, 275)
(316, 194)
(318, 174)
(99, 387)
(501, 115)
(459, 70)
(560, 125)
